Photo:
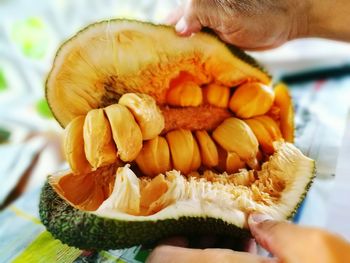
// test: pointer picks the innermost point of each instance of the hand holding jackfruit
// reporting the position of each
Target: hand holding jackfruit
(190, 164)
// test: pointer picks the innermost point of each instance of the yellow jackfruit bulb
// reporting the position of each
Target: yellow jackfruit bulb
(185, 94)
(233, 163)
(196, 158)
(182, 149)
(251, 99)
(216, 95)
(266, 131)
(154, 158)
(234, 135)
(229, 161)
(146, 112)
(208, 150)
(100, 149)
(125, 130)
(73, 144)
(284, 102)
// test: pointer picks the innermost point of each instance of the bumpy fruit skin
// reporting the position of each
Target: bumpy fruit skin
(184, 150)
(266, 131)
(251, 99)
(146, 113)
(126, 132)
(99, 146)
(208, 150)
(217, 95)
(234, 135)
(284, 102)
(73, 141)
(154, 158)
(185, 95)
(87, 231)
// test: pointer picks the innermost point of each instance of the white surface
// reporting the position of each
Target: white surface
(338, 219)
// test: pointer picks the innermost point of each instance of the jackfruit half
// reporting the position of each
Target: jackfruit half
(164, 137)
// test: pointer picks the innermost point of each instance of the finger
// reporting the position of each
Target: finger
(175, 16)
(275, 236)
(189, 23)
(176, 254)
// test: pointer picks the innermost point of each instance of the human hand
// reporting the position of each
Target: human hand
(249, 24)
(287, 242)
(259, 25)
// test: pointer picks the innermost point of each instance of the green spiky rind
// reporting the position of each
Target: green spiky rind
(237, 52)
(85, 230)
(306, 190)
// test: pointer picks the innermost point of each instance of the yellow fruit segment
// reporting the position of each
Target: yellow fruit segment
(234, 135)
(151, 192)
(185, 94)
(266, 131)
(229, 161)
(233, 163)
(251, 99)
(284, 101)
(126, 132)
(217, 95)
(196, 158)
(154, 158)
(99, 146)
(208, 150)
(146, 113)
(182, 149)
(73, 144)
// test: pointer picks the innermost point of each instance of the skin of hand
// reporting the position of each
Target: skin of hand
(259, 25)
(287, 242)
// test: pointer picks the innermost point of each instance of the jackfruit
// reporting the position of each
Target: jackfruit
(185, 163)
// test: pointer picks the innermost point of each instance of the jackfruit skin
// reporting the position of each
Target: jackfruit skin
(85, 230)
(306, 190)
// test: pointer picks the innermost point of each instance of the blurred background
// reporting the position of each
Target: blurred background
(30, 147)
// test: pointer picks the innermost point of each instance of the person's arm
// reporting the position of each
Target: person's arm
(330, 19)
(257, 25)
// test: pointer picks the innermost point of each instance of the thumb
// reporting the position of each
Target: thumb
(189, 23)
(282, 239)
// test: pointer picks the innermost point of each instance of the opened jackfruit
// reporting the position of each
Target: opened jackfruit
(156, 143)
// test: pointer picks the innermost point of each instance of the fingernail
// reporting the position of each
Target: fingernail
(258, 218)
(181, 25)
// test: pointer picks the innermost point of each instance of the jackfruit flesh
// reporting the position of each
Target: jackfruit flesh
(172, 133)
